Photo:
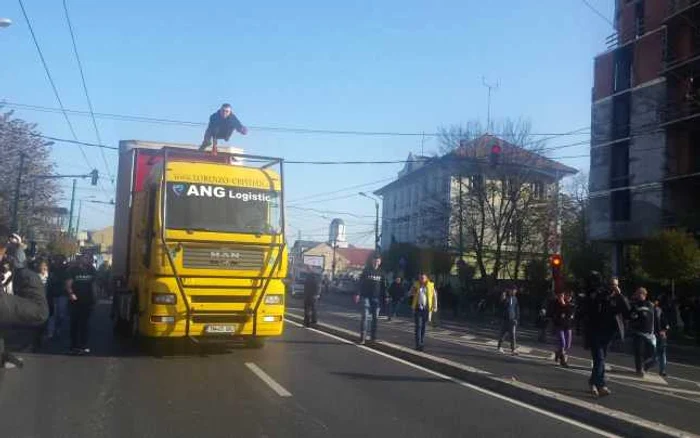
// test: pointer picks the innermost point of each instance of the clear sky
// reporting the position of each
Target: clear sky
(388, 65)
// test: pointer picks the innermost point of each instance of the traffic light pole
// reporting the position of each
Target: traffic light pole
(72, 205)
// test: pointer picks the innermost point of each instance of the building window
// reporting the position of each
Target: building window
(621, 116)
(621, 200)
(538, 189)
(639, 18)
(623, 69)
(619, 164)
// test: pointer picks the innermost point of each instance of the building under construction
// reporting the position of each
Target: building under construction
(645, 147)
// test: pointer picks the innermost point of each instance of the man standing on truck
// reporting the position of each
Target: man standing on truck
(221, 125)
(80, 286)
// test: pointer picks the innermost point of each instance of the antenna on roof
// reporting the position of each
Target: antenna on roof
(488, 102)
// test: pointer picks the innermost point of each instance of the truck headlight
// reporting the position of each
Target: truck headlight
(274, 299)
(163, 298)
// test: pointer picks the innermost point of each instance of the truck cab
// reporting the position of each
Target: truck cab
(199, 247)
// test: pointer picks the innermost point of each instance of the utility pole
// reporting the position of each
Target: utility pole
(376, 227)
(72, 205)
(335, 246)
(18, 186)
(461, 219)
(491, 87)
(80, 212)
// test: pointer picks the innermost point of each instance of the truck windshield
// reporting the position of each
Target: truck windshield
(202, 207)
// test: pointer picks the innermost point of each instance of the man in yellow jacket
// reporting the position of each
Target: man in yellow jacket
(424, 305)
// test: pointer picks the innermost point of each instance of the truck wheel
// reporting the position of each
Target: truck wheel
(255, 342)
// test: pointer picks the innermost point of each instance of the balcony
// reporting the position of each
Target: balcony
(676, 8)
(682, 112)
(624, 36)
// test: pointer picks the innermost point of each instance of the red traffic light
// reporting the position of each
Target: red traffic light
(555, 261)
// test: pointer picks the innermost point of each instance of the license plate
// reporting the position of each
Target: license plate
(220, 329)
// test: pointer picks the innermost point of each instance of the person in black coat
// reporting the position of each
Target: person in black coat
(221, 125)
(26, 306)
(604, 307)
(312, 293)
(372, 294)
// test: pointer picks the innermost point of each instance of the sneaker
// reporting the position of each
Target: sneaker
(594, 391)
(515, 353)
(501, 350)
(362, 342)
(604, 391)
(663, 374)
(640, 374)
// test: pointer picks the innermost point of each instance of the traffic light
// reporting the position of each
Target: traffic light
(557, 263)
(94, 175)
(495, 154)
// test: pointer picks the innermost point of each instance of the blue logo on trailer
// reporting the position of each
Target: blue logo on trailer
(179, 189)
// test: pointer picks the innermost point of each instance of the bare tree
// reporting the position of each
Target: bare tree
(497, 211)
(19, 137)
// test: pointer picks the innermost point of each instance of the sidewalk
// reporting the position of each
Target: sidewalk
(673, 401)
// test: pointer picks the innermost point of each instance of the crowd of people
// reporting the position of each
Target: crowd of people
(49, 296)
(602, 313)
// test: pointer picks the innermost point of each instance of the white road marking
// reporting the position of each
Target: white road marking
(468, 385)
(279, 389)
(468, 337)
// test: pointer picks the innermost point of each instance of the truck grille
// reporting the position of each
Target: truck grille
(238, 259)
(236, 299)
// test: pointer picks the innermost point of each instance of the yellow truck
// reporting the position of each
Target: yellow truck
(199, 248)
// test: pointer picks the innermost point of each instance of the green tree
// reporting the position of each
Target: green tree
(671, 255)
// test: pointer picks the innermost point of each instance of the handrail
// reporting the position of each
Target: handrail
(278, 259)
(178, 280)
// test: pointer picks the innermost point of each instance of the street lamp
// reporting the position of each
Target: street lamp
(376, 219)
(5, 22)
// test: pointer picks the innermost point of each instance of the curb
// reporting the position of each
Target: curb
(614, 421)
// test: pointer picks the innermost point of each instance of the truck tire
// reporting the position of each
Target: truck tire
(255, 342)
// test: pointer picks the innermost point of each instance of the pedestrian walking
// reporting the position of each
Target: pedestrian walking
(58, 297)
(424, 304)
(80, 286)
(42, 269)
(604, 307)
(562, 312)
(396, 295)
(661, 328)
(221, 125)
(312, 293)
(27, 306)
(511, 317)
(372, 294)
(642, 316)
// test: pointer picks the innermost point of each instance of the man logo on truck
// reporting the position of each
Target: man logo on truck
(224, 258)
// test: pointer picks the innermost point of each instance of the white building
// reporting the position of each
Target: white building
(417, 206)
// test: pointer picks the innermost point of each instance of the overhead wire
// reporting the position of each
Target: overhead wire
(285, 129)
(53, 84)
(85, 90)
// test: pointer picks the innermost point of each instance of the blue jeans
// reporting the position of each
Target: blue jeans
(421, 319)
(370, 308)
(599, 351)
(661, 355)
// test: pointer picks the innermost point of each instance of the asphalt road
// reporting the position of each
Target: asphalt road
(304, 384)
(670, 401)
